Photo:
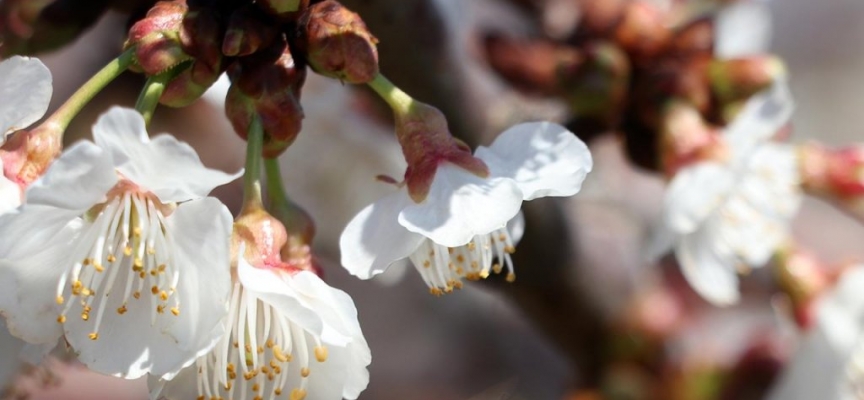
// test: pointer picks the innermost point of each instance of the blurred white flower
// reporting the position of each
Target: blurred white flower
(730, 215)
(118, 249)
(829, 363)
(461, 226)
(287, 334)
(743, 28)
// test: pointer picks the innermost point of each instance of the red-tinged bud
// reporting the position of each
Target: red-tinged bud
(597, 87)
(338, 43)
(738, 79)
(686, 138)
(267, 86)
(834, 174)
(249, 30)
(599, 17)
(534, 66)
(802, 278)
(642, 32)
(156, 37)
(189, 85)
(28, 154)
(757, 369)
(696, 38)
(283, 9)
(300, 229)
(263, 235)
(35, 26)
(426, 143)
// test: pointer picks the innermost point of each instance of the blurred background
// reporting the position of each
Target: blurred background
(587, 318)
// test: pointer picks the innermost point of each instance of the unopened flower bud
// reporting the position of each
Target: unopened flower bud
(534, 66)
(35, 26)
(156, 37)
(599, 17)
(802, 278)
(28, 154)
(642, 32)
(738, 79)
(248, 31)
(283, 9)
(338, 43)
(686, 138)
(597, 87)
(835, 174)
(267, 86)
(696, 38)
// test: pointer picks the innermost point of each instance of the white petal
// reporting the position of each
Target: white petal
(10, 364)
(333, 306)
(819, 369)
(694, 194)
(77, 180)
(711, 273)
(374, 239)
(461, 205)
(128, 345)
(545, 159)
(516, 227)
(742, 29)
(344, 369)
(763, 115)
(25, 90)
(33, 229)
(165, 166)
(10, 194)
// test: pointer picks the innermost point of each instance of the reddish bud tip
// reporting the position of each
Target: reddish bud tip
(642, 31)
(156, 37)
(338, 43)
(248, 31)
(738, 79)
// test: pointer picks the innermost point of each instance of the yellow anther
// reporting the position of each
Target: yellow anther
(298, 394)
(460, 258)
(76, 287)
(136, 295)
(249, 375)
(60, 300)
(484, 274)
(231, 367)
(475, 265)
(256, 387)
(153, 272)
(282, 357)
(93, 336)
(163, 295)
(435, 291)
(154, 290)
(304, 372)
(175, 311)
(160, 309)
(136, 231)
(277, 391)
(496, 268)
(260, 349)
(161, 268)
(86, 292)
(111, 258)
(427, 264)
(270, 343)
(61, 319)
(472, 246)
(85, 316)
(320, 353)
(122, 310)
(457, 284)
(138, 263)
(509, 249)
(265, 370)
(151, 251)
(142, 274)
(127, 251)
(86, 262)
(511, 277)
(99, 267)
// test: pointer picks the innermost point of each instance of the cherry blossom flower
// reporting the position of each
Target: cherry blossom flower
(461, 227)
(726, 215)
(829, 363)
(118, 249)
(25, 90)
(288, 335)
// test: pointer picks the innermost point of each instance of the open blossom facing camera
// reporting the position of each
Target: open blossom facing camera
(731, 214)
(461, 227)
(118, 248)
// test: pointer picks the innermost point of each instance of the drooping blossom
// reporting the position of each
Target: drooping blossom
(461, 228)
(25, 90)
(287, 334)
(829, 362)
(729, 213)
(118, 249)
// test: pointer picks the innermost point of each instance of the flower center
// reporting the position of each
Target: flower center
(443, 268)
(259, 349)
(124, 247)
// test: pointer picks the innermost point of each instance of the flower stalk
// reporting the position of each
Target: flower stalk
(399, 101)
(252, 176)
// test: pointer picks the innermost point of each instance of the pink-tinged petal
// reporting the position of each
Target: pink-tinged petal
(544, 159)
(742, 29)
(820, 368)
(25, 90)
(165, 166)
(695, 194)
(374, 239)
(129, 345)
(709, 270)
(461, 205)
(761, 118)
(77, 180)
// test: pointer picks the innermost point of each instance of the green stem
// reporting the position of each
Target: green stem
(64, 115)
(275, 188)
(398, 100)
(153, 89)
(252, 176)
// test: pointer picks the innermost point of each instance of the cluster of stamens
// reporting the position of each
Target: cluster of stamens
(119, 267)
(254, 361)
(443, 268)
